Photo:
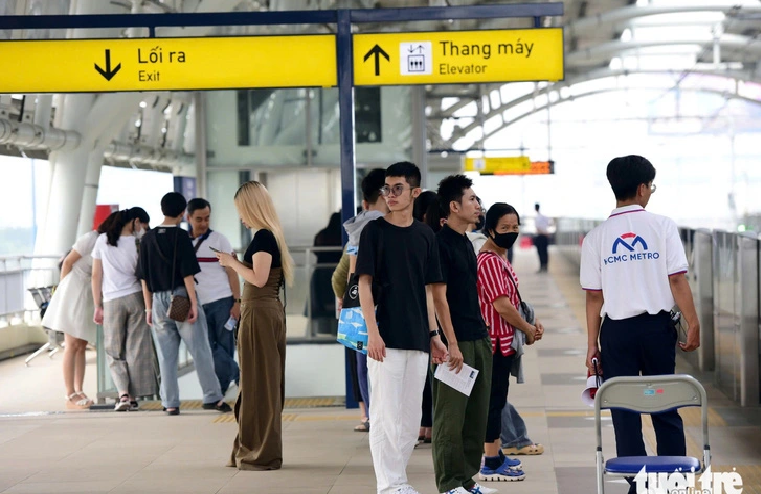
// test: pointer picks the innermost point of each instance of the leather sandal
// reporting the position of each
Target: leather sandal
(72, 403)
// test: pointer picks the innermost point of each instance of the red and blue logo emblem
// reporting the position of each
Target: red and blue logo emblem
(624, 240)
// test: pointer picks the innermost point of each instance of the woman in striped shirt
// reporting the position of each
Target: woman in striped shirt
(499, 300)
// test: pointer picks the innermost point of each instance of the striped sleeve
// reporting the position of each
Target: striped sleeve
(492, 278)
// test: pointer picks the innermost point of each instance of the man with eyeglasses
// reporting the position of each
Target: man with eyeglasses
(633, 270)
(398, 256)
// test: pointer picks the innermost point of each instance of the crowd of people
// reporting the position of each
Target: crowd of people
(436, 287)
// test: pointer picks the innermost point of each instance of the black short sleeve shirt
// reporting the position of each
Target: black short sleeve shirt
(402, 260)
(158, 256)
(459, 271)
(263, 241)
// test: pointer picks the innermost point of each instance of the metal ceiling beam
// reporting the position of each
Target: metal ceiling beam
(594, 75)
(543, 107)
(580, 27)
(604, 52)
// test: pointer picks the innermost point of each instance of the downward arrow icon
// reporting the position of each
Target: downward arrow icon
(108, 74)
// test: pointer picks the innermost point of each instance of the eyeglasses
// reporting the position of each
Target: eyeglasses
(396, 189)
(653, 188)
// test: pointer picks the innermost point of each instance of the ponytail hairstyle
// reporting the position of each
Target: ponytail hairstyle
(114, 224)
(257, 210)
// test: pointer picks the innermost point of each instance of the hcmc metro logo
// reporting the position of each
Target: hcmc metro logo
(629, 254)
(630, 247)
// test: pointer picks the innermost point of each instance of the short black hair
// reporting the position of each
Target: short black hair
(452, 188)
(422, 203)
(409, 171)
(496, 212)
(372, 184)
(196, 204)
(140, 214)
(536, 206)
(173, 204)
(627, 173)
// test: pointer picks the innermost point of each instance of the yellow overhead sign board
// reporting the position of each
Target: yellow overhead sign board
(455, 57)
(180, 64)
(520, 165)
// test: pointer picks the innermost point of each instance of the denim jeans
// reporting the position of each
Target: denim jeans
(362, 378)
(514, 433)
(222, 342)
(168, 334)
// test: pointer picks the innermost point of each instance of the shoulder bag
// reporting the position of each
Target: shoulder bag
(179, 306)
(352, 327)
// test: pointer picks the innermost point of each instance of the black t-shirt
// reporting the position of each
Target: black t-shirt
(157, 255)
(264, 241)
(459, 270)
(402, 260)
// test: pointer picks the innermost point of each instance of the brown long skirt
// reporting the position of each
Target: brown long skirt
(259, 408)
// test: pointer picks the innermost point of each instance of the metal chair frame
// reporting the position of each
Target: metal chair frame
(649, 394)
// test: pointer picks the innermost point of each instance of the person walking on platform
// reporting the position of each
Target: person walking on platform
(120, 309)
(399, 255)
(373, 208)
(500, 302)
(69, 312)
(167, 267)
(459, 420)
(218, 292)
(267, 266)
(542, 238)
(633, 271)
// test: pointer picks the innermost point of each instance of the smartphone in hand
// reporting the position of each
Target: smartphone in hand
(215, 249)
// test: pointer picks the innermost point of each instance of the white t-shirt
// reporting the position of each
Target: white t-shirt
(542, 223)
(630, 258)
(213, 283)
(84, 246)
(119, 265)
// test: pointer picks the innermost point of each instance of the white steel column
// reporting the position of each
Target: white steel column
(67, 183)
(92, 178)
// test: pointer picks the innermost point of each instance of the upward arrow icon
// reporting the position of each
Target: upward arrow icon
(377, 51)
(108, 74)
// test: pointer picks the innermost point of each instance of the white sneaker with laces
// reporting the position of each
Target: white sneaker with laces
(479, 489)
(459, 490)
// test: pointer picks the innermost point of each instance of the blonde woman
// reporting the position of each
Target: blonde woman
(266, 266)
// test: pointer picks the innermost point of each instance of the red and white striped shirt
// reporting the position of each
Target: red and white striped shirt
(493, 282)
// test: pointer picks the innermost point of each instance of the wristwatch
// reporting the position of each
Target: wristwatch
(434, 333)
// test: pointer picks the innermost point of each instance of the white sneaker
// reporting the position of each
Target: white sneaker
(479, 489)
(406, 489)
(459, 490)
(232, 392)
(123, 404)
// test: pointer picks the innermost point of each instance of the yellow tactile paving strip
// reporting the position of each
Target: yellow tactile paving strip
(289, 403)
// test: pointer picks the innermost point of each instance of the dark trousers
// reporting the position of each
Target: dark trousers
(427, 420)
(361, 360)
(353, 371)
(646, 344)
(500, 383)
(458, 426)
(222, 341)
(541, 242)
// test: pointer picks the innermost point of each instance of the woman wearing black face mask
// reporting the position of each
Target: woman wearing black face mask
(499, 300)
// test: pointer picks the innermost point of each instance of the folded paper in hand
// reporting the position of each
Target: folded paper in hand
(462, 382)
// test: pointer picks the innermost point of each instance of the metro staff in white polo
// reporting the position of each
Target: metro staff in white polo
(633, 270)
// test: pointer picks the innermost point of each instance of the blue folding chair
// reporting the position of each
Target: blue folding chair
(650, 394)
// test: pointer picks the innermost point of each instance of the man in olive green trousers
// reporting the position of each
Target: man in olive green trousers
(459, 420)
